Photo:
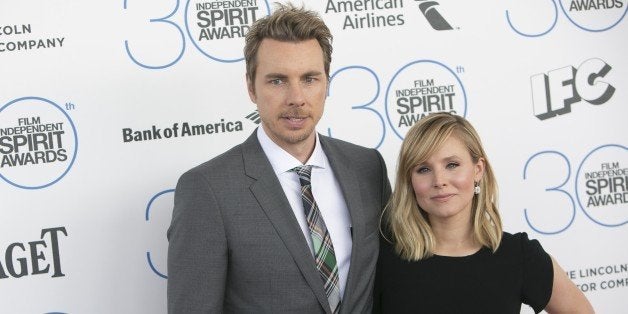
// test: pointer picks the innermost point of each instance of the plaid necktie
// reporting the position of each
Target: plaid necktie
(321, 241)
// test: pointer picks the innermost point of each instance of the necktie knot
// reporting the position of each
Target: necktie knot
(305, 174)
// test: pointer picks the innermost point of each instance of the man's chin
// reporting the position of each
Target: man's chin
(296, 136)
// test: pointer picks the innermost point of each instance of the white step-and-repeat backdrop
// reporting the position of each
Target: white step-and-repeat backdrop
(104, 104)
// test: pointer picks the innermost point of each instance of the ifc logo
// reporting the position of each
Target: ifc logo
(420, 88)
(38, 143)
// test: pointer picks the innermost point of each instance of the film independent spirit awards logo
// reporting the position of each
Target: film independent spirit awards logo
(602, 185)
(38, 143)
(222, 21)
(587, 15)
(421, 88)
(594, 15)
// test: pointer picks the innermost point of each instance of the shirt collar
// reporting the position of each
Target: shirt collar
(282, 161)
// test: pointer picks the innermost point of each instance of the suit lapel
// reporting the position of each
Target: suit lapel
(350, 185)
(270, 196)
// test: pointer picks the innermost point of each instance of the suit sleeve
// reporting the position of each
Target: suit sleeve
(386, 190)
(377, 289)
(197, 249)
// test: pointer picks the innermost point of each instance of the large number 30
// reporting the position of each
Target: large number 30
(159, 20)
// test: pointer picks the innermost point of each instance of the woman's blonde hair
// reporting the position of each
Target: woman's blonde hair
(405, 224)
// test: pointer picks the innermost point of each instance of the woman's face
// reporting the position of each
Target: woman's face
(443, 184)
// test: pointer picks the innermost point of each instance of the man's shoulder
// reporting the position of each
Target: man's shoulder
(223, 163)
(344, 146)
(350, 154)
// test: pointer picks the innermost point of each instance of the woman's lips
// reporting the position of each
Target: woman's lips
(442, 197)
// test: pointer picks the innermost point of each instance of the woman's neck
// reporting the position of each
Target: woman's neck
(454, 238)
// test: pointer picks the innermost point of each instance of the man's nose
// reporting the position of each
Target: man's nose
(296, 95)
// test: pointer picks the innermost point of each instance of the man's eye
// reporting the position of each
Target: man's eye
(276, 81)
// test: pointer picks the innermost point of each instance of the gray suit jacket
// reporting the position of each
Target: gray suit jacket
(236, 247)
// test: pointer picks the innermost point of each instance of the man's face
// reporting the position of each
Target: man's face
(289, 89)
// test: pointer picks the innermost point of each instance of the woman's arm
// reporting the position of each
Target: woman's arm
(566, 297)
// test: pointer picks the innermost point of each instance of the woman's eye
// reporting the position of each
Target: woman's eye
(452, 165)
(422, 169)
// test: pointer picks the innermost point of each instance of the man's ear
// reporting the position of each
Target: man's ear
(250, 87)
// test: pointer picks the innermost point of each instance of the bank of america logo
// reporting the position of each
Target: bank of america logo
(436, 20)
(254, 116)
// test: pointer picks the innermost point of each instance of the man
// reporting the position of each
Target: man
(249, 232)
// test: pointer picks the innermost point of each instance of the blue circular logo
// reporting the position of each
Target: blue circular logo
(217, 28)
(420, 88)
(594, 16)
(602, 185)
(38, 143)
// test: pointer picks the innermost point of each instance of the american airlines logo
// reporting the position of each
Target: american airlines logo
(436, 20)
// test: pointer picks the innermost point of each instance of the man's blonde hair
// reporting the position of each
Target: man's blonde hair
(290, 24)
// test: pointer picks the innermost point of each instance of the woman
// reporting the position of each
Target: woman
(444, 250)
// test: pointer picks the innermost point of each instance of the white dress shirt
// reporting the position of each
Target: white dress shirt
(327, 194)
